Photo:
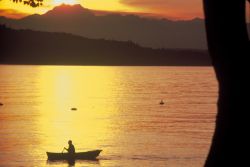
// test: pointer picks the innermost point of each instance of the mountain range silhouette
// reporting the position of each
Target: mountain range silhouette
(147, 32)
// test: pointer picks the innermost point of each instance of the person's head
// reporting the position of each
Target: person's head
(69, 142)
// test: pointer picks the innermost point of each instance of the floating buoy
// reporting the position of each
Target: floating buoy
(162, 102)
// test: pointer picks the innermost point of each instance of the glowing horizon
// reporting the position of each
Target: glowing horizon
(69, 2)
(161, 8)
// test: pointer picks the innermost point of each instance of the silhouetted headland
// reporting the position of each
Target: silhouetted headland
(45, 48)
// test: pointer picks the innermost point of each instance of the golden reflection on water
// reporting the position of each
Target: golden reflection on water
(83, 89)
(117, 110)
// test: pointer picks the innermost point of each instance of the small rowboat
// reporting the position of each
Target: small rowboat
(89, 155)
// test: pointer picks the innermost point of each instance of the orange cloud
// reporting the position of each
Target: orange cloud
(168, 8)
(11, 13)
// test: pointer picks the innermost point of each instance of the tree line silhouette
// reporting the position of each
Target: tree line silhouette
(34, 47)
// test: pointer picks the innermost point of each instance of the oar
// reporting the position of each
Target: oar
(63, 149)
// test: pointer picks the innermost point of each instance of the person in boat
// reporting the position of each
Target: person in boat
(71, 149)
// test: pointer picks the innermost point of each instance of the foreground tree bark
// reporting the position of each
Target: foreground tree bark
(228, 45)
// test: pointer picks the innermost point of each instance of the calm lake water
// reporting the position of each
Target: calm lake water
(118, 111)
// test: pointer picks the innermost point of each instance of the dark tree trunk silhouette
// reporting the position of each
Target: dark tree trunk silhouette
(228, 45)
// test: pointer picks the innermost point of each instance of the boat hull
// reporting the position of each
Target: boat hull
(89, 155)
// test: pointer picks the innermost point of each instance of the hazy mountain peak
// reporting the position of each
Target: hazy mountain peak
(148, 32)
(65, 9)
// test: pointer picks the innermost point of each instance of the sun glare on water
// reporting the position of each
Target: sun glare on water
(69, 2)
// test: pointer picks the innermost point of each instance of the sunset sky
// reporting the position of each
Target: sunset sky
(172, 9)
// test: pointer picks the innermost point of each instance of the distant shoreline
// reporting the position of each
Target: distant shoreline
(28, 47)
